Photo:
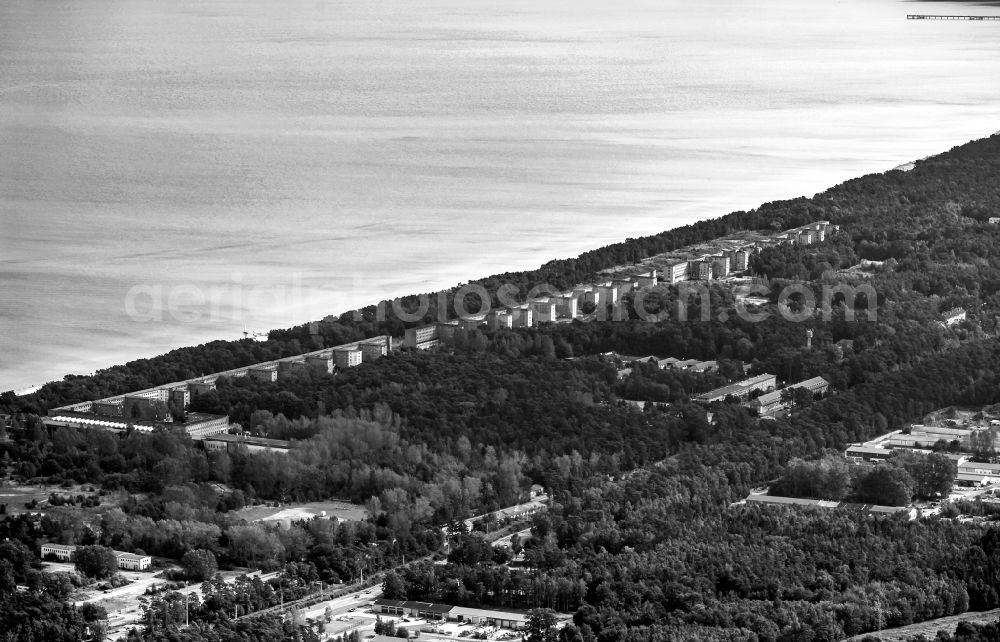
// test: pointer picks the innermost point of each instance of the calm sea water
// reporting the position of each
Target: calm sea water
(208, 163)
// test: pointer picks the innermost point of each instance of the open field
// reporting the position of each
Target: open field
(334, 509)
(17, 495)
(930, 627)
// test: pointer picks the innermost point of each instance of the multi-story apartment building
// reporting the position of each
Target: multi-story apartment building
(500, 319)
(347, 357)
(720, 267)
(267, 373)
(566, 305)
(699, 270)
(675, 271)
(544, 311)
(372, 350)
(424, 336)
(321, 363)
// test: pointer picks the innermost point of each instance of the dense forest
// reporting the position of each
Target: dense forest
(646, 537)
(938, 211)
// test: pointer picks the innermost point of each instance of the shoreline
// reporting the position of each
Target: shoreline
(447, 278)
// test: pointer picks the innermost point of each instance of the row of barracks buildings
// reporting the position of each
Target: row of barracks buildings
(143, 410)
(715, 259)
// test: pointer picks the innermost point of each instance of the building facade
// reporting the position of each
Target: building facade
(321, 363)
(345, 358)
(268, 374)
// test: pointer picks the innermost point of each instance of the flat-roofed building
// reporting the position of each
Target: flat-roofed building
(421, 337)
(200, 387)
(126, 561)
(180, 396)
(267, 373)
(971, 479)
(644, 279)
(771, 402)
(763, 498)
(740, 390)
(372, 350)
(472, 322)
(868, 454)
(610, 293)
(720, 267)
(624, 286)
(699, 270)
(321, 363)
(157, 394)
(148, 407)
(500, 320)
(586, 294)
(930, 436)
(108, 408)
(286, 366)
(252, 443)
(522, 316)
(502, 619)
(389, 607)
(199, 425)
(742, 260)
(62, 552)
(566, 305)
(428, 610)
(675, 271)
(345, 358)
(979, 468)
(544, 311)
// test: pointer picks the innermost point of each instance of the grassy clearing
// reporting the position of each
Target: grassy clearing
(930, 627)
(339, 509)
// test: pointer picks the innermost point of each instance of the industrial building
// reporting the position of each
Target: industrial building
(930, 436)
(445, 612)
(860, 453)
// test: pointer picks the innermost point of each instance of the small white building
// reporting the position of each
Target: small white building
(133, 562)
